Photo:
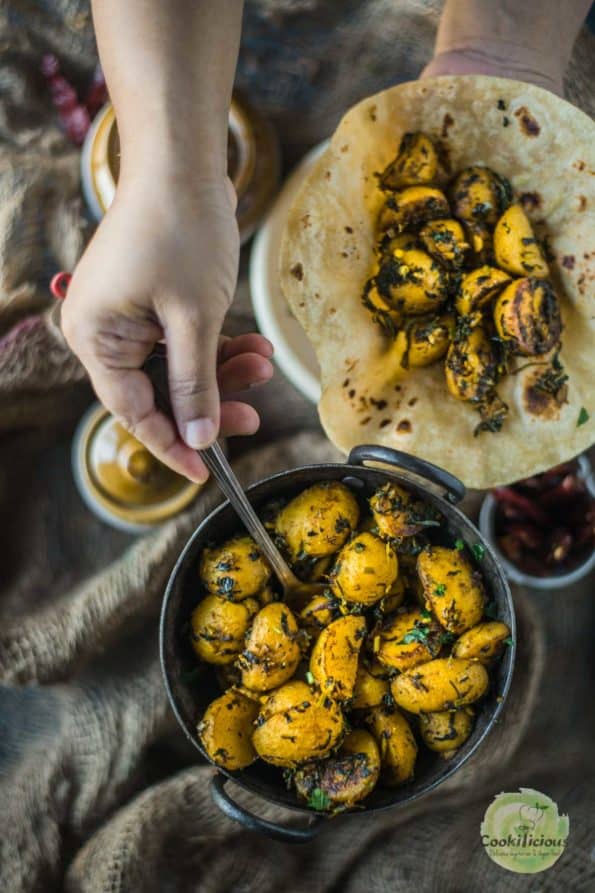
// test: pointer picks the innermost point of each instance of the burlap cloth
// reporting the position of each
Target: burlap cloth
(98, 789)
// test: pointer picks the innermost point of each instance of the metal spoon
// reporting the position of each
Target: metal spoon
(214, 458)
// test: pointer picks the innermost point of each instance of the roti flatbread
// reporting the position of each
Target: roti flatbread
(546, 148)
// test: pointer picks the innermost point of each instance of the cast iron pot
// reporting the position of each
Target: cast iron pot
(189, 696)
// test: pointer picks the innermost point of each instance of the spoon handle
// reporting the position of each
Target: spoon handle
(156, 368)
(215, 460)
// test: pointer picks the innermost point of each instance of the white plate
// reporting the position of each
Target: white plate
(293, 352)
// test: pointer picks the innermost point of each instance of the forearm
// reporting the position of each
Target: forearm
(534, 38)
(169, 66)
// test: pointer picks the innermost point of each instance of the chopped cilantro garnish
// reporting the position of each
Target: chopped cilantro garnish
(509, 641)
(309, 678)
(414, 635)
(318, 800)
(440, 589)
(583, 417)
(478, 551)
(459, 545)
(427, 615)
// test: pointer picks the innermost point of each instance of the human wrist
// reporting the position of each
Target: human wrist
(494, 60)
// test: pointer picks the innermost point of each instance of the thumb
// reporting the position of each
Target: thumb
(192, 345)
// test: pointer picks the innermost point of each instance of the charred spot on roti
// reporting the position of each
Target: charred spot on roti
(378, 404)
(372, 112)
(348, 229)
(297, 271)
(447, 123)
(384, 423)
(366, 420)
(530, 200)
(412, 402)
(568, 261)
(327, 175)
(346, 383)
(344, 149)
(501, 105)
(404, 426)
(351, 393)
(579, 165)
(527, 122)
(582, 203)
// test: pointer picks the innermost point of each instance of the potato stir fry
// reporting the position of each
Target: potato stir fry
(342, 689)
(460, 277)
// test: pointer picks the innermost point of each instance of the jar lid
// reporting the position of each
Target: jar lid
(253, 162)
(120, 479)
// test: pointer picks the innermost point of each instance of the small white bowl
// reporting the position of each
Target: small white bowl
(293, 352)
(487, 516)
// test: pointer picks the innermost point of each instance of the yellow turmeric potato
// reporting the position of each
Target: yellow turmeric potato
(477, 288)
(412, 282)
(266, 596)
(226, 728)
(408, 639)
(515, 247)
(272, 652)
(394, 598)
(445, 241)
(369, 690)
(343, 779)
(319, 520)
(483, 642)
(453, 590)
(235, 570)
(428, 339)
(298, 727)
(445, 683)
(396, 512)
(478, 194)
(411, 206)
(447, 730)
(219, 626)
(471, 367)
(319, 612)
(416, 163)
(527, 316)
(333, 662)
(365, 570)
(398, 750)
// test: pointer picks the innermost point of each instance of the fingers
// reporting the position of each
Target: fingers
(128, 394)
(250, 343)
(243, 371)
(192, 346)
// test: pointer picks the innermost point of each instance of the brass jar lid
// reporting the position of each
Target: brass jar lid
(253, 163)
(120, 480)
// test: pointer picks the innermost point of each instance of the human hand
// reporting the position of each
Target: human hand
(530, 41)
(163, 266)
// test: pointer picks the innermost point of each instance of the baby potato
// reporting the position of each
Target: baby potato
(235, 570)
(453, 590)
(527, 316)
(319, 612)
(345, 778)
(447, 730)
(297, 726)
(477, 288)
(445, 683)
(408, 639)
(416, 163)
(395, 511)
(515, 247)
(369, 690)
(272, 652)
(412, 282)
(411, 206)
(398, 750)
(478, 194)
(319, 520)
(365, 570)
(333, 661)
(428, 339)
(471, 367)
(483, 642)
(446, 242)
(226, 728)
(219, 626)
